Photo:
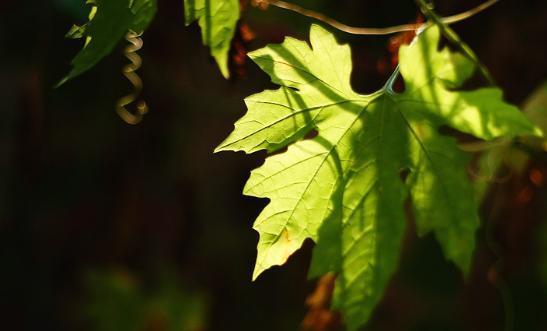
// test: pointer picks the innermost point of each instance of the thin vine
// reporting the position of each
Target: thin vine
(264, 4)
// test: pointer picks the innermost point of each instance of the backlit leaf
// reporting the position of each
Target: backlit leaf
(217, 19)
(344, 188)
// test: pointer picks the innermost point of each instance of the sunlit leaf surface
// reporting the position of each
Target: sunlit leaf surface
(217, 19)
(345, 187)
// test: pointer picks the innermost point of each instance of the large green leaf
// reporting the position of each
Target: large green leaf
(109, 21)
(217, 19)
(345, 188)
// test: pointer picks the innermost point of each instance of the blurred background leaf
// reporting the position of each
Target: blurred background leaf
(116, 301)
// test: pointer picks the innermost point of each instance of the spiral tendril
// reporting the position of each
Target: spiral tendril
(129, 71)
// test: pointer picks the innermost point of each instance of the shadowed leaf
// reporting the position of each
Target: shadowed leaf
(109, 21)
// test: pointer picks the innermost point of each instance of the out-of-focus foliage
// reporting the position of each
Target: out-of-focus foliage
(344, 188)
(513, 156)
(217, 19)
(109, 21)
(535, 106)
(117, 301)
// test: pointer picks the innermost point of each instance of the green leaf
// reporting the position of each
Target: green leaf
(344, 188)
(217, 19)
(109, 21)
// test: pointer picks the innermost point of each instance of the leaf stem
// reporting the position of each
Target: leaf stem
(391, 81)
(453, 37)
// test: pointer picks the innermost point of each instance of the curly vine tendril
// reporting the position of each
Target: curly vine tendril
(129, 71)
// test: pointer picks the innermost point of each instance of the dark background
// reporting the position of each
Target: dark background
(106, 226)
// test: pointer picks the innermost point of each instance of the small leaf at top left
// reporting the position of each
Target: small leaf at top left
(109, 21)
